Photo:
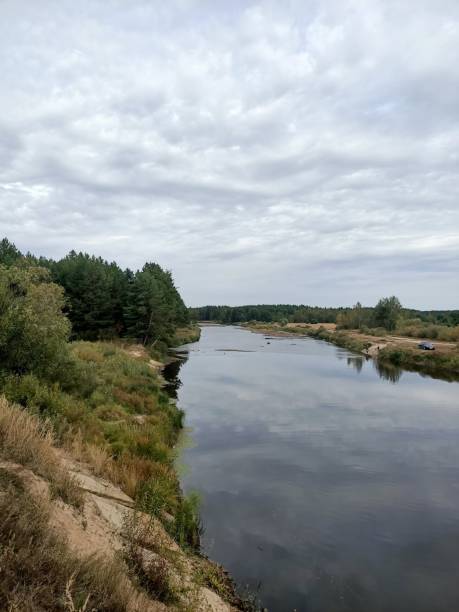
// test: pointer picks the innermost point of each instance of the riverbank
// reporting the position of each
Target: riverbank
(186, 335)
(388, 350)
(113, 431)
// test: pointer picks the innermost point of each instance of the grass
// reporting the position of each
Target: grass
(186, 335)
(338, 338)
(27, 440)
(213, 576)
(431, 331)
(442, 333)
(40, 573)
(114, 415)
(146, 558)
(128, 432)
(440, 365)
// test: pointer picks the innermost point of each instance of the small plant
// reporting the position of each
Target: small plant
(186, 528)
(158, 495)
(150, 568)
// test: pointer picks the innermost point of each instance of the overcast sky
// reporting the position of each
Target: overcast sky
(301, 152)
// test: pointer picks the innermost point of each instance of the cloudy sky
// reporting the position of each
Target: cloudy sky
(290, 151)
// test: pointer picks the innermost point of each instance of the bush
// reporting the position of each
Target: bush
(442, 365)
(432, 332)
(158, 495)
(186, 529)
(33, 329)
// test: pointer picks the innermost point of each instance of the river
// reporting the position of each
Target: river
(326, 485)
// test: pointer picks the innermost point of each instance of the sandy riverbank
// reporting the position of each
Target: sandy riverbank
(394, 350)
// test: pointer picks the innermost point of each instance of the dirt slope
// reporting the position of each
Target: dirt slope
(101, 528)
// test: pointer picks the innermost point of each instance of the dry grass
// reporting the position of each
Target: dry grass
(98, 457)
(147, 559)
(39, 572)
(128, 471)
(27, 440)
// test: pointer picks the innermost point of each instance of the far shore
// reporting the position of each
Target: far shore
(397, 351)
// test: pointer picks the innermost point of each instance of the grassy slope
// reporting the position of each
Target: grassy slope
(118, 419)
(38, 569)
(185, 335)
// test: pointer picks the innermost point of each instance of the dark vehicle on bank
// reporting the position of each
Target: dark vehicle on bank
(426, 346)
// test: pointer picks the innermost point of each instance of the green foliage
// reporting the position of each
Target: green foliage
(419, 329)
(186, 528)
(103, 401)
(33, 330)
(158, 495)
(105, 413)
(436, 364)
(265, 313)
(355, 318)
(186, 335)
(387, 312)
(95, 291)
(338, 338)
(9, 254)
(102, 301)
(154, 308)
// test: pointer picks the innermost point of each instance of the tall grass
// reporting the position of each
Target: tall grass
(115, 416)
(118, 419)
(27, 440)
(38, 570)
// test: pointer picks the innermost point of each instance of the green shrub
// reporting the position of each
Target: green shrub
(186, 529)
(158, 495)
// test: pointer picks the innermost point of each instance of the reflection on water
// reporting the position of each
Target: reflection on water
(322, 481)
(356, 362)
(388, 371)
(171, 374)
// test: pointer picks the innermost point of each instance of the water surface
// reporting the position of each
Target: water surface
(326, 485)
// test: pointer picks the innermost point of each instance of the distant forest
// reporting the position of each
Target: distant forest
(101, 300)
(353, 317)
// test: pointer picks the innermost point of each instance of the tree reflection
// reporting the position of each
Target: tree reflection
(356, 362)
(171, 374)
(388, 371)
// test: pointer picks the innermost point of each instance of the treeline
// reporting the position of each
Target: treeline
(267, 313)
(388, 313)
(103, 301)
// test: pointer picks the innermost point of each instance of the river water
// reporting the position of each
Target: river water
(326, 485)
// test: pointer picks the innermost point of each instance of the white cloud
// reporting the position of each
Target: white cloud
(299, 152)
